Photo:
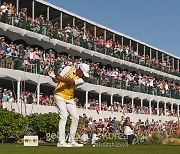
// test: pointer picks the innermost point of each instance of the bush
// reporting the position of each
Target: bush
(12, 125)
(156, 138)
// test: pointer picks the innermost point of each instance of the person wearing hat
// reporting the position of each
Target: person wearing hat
(69, 78)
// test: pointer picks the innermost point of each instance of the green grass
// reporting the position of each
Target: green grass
(52, 149)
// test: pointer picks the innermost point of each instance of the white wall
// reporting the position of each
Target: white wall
(31, 108)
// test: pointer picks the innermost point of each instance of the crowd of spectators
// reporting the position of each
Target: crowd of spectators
(80, 37)
(94, 129)
(26, 98)
(93, 104)
(102, 75)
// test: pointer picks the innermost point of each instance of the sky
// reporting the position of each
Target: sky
(155, 22)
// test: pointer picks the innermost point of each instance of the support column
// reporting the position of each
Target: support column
(86, 99)
(122, 41)
(157, 108)
(114, 37)
(150, 56)
(130, 43)
(150, 109)
(165, 108)
(178, 110)
(138, 47)
(144, 52)
(61, 20)
(132, 105)
(104, 35)
(157, 55)
(141, 102)
(162, 57)
(100, 101)
(168, 59)
(173, 63)
(33, 3)
(38, 93)
(95, 37)
(17, 6)
(74, 21)
(111, 99)
(178, 64)
(95, 32)
(48, 13)
(171, 108)
(122, 100)
(84, 26)
(18, 91)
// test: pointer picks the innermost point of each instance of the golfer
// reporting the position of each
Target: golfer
(67, 81)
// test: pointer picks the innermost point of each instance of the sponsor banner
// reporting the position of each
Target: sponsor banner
(30, 140)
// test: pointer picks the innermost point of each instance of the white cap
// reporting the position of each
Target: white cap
(85, 69)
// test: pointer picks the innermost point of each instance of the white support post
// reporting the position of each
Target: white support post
(61, 20)
(17, 6)
(48, 13)
(130, 43)
(157, 55)
(86, 99)
(173, 63)
(162, 57)
(138, 47)
(122, 41)
(168, 59)
(132, 105)
(114, 37)
(74, 21)
(18, 91)
(157, 108)
(95, 35)
(84, 26)
(178, 110)
(144, 52)
(141, 102)
(165, 108)
(122, 100)
(95, 32)
(100, 101)
(38, 93)
(33, 3)
(111, 99)
(150, 56)
(104, 35)
(178, 64)
(150, 109)
(171, 107)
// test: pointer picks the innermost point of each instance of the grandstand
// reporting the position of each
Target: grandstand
(127, 77)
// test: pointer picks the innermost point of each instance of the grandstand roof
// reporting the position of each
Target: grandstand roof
(99, 25)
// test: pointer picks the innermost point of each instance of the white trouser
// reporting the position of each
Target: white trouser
(64, 107)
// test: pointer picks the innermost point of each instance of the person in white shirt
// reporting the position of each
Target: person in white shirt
(129, 130)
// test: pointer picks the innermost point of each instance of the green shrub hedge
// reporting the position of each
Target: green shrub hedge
(14, 126)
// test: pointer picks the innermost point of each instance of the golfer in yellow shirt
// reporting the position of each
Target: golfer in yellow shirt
(69, 78)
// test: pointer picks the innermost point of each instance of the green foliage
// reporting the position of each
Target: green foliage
(43, 123)
(156, 138)
(12, 125)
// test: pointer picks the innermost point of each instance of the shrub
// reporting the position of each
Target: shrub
(12, 125)
(156, 138)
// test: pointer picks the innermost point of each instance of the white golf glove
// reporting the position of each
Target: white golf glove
(52, 75)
